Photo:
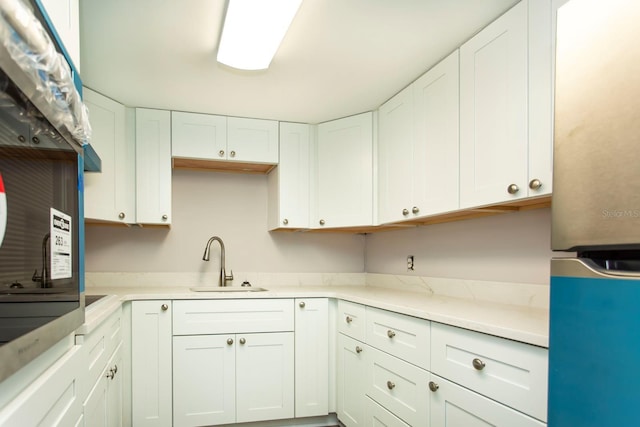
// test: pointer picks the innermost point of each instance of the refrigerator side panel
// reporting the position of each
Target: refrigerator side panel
(596, 182)
(594, 352)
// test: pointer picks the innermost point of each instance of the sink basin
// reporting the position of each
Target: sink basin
(227, 289)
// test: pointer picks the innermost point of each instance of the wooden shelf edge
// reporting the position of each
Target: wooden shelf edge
(221, 166)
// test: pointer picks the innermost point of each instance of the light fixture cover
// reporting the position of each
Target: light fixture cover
(253, 31)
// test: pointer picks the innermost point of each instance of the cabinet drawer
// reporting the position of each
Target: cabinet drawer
(400, 387)
(201, 317)
(453, 406)
(101, 343)
(377, 416)
(507, 371)
(403, 336)
(351, 319)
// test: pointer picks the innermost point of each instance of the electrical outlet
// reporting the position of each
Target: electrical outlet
(410, 263)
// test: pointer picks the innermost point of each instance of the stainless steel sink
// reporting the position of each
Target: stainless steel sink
(227, 289)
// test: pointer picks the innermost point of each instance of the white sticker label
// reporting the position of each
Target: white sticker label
(61, 259)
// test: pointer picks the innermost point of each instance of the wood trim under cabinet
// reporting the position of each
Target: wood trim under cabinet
(221, 166)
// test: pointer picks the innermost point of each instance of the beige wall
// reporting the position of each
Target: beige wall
(234, 207)
(511, 247)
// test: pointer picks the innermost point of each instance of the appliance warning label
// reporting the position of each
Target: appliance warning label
(61, 267)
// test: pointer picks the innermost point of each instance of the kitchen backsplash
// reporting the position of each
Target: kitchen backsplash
(520, 294)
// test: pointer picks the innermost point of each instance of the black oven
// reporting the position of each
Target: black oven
(41, 287)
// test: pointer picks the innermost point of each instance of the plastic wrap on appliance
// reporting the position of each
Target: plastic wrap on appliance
(32, 50)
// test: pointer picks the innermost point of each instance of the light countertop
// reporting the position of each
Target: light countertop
(520, 323)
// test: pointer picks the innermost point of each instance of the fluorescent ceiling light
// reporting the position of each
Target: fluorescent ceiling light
(253, 31)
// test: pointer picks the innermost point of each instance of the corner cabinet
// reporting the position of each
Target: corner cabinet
(288, 183)
(151, 355)
(418, 147)
(110, 195)
(506, 107)
(343, 181)
(153, 166)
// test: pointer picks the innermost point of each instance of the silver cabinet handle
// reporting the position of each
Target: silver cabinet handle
(285, 221)
(390, 333)
(229, 341)
(405, 212)
(535, 184)
(302, 304)
(121, 215)
(110, 374)
(390, 385)
(243, 341)
(478, 364)
(221, 153)
(433, 386)
(165, 217)
(513, 189)
(115, 369)
(348, 319)
(415, 210)
(358, 349)
(232, 153)
(164, 307)
(322, 222)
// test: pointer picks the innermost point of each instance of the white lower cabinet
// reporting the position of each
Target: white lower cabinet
(54, 398)
(352, 380)
(377, 416)
(151, 363)
(103, 406)
(413, 372)
(455, 406)
(238, 376)
(312, 357)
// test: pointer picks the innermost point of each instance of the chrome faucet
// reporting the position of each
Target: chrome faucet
(223, 278)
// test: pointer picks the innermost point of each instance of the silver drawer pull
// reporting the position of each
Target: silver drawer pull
(242, 341)
(230, 341)
(433, 386)
(390, 333)
(358, 349)
(348, 319)
(478, 364)
(164, 307)
(390, 385)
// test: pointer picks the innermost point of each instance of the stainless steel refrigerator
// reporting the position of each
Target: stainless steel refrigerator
(594, 337)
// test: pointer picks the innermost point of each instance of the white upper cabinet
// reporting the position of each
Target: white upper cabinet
(198, 136)
(153, 166)
(288, 183)
(506, 108)
(493, 111)
(110, 194)
(65, 16)
(418, 147)
(344, 173)
(252, 140)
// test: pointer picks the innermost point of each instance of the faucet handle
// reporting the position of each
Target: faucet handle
(229, 277)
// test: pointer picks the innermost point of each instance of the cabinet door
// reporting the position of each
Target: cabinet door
(436, 148)
(264, 376)
(312, 357)
(198, 136)
(454, 406)
(396, 157)
(352, 381)
(377, 416)
(541, 94)
(95, 406)
(493, 111)
(252, 140)
(110, 194)
(151, 363)
(115, 389)
(153, 166)
(204, 372)
(103, 406)
(289, 182)
(344, 195)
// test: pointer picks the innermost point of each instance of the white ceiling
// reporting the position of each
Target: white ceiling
(340, 57)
